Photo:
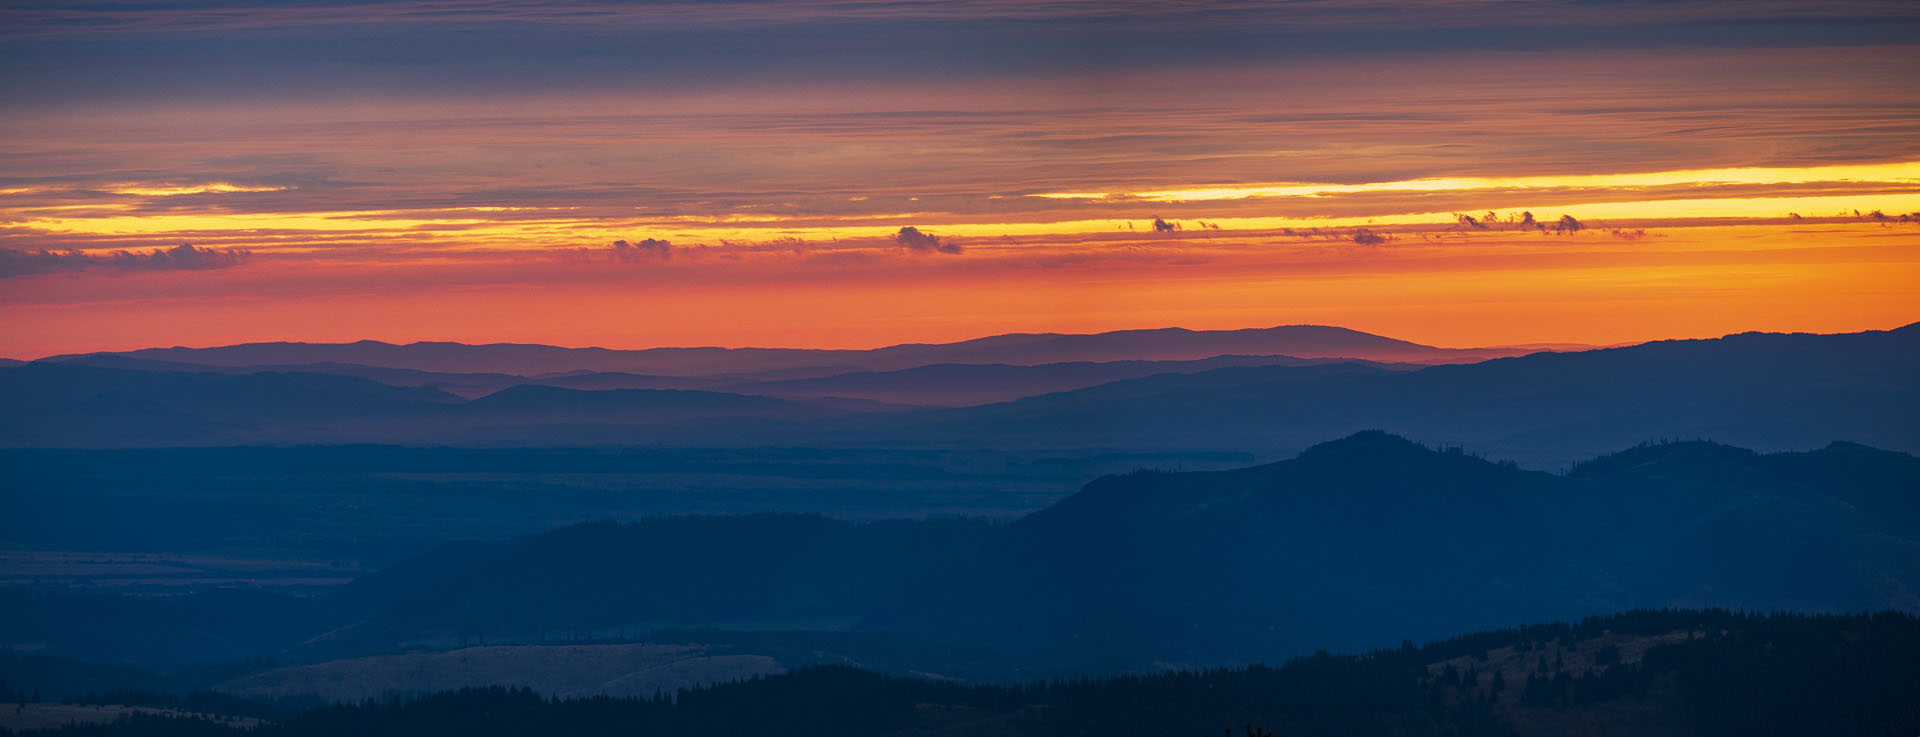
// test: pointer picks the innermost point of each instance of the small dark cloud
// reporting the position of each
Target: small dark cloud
(912, 239)
(183, 257)
(651, 249)
(1162, 226)
(1493, 220)
(1362, 236)
(1628, 235)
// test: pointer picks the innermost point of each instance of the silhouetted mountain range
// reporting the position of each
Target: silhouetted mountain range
(945, 384)
(1300, 341)
(958, 385)
(56, 404)
(1764, 390)
(1356, 543)
(50, 404)
(463, 384)
(1768, 391)
(1374, 534)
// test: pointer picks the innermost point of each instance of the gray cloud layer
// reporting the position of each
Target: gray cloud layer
(214, 49)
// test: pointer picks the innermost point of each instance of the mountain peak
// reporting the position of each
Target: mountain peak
(1366, 444)
(1687, 452)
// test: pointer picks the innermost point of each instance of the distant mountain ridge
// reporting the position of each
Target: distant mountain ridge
(1298, 341)
(1762, 390)
(940, 384)
(968, 384)
(1766, 390)
(52, 404)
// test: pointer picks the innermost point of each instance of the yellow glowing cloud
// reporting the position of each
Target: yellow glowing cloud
(146, 190)
(138, 189)
(471, 233)
(311, 221)
(1900, 173)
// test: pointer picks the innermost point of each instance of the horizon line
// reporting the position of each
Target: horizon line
(1543, 345)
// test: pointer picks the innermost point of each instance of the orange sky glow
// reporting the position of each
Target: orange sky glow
(1595, 194)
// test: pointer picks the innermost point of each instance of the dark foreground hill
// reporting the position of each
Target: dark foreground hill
(1354, 544)
(1707, 673)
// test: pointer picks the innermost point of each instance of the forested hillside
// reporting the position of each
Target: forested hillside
(1706, 673)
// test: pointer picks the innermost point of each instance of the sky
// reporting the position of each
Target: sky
(858, 173)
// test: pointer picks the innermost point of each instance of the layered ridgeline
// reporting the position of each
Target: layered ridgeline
(1022, 349)
(1766, 391)
(1706, 673)
(1354, 544)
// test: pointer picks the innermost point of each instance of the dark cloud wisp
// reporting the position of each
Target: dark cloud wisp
(184, 257)
(651, 249)
(912, 239)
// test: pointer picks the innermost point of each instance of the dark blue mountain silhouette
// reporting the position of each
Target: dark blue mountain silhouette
(1355, 543)
(1766, 391)
(1769, 391)
(57, 404)
(1304, 341)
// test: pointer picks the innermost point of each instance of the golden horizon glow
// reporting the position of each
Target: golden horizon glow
(481, 234)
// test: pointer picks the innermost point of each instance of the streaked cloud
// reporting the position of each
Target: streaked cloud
(1898, 173)
(171, 190)
(53, 16)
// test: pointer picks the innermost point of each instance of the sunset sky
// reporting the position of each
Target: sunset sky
(859, 173)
